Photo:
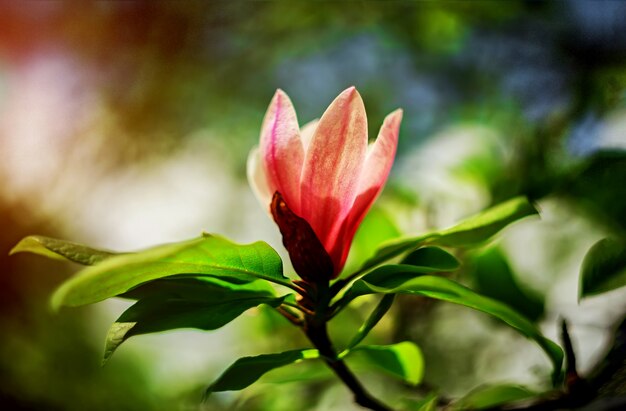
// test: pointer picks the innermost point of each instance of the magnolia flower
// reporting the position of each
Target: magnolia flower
(318, 182)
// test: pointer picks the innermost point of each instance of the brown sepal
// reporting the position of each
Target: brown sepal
(308, 255)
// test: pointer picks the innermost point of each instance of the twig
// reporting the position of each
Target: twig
(315, 328)
(298, 307)
(290, 316)
(318, 334)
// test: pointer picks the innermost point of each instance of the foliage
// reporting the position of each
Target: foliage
(207, 282)
(604, 268)
(536, 87)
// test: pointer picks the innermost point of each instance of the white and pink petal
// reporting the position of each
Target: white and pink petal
(258, 180)
(281, 149)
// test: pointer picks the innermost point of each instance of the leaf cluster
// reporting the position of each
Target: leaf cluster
(207, 282)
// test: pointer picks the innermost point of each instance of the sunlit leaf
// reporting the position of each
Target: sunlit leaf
(208, 255)
(61, 250)
(247, 370)
(424, 260)
(483, 226)
(432, 259)
(473, 230)
(429, 403)
(309, 371)
(604, 268)
(493, 395)
(403, 360)
(396, 280)
(376, 315)
(185, 283)
(185, 303)
(494, 278)
(389, 274)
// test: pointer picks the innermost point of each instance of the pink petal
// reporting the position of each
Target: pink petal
(258, 180)
(332, 166)
(378, 164)
(281, 149)
(381, 153)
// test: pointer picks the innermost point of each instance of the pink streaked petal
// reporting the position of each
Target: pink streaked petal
(258, 180)
(381, 153)
(306, 133)
(281, 149)
(339, 249)
(378, 164)
(333, 164)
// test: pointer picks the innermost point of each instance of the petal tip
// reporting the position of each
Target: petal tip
(351, 99)
(396, 112)
(279, 94)
(350, 93)
(280, 106)
(395, 116)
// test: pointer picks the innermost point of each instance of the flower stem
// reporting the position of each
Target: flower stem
(315, 328)
(318, 335)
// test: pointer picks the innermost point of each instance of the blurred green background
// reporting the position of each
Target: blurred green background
(127, 124)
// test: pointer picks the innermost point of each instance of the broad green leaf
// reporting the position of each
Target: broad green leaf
(61, 250)
(183, 282)
(473, 230)
(429, 403)
(485, 225)
(309, 371)
(403, 360)
(447, 290)
(493, 395)
(421, 261)
(596, 187)
(379, 312)
(185, 303)
(494, 278)
(604, 268)
(247, 370)
(391, 275)
(208, 255)
(432, 259)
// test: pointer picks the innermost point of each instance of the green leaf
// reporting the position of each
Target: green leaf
(247, 370)
(432, 259)
(61, 250)
(595, 188)
(167, 284)
(305, 371)
(493, 395)
(403, 360)
(185, 303)
(429, 403)
(485, 225)
(208, 255)
(604, 268)
(494, 278)
(379, 312)
(399, 281)
(391, 275)
(471, 231)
